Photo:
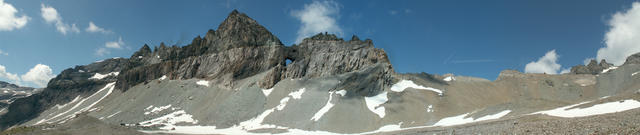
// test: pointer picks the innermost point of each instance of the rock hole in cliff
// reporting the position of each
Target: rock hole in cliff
(287, 61)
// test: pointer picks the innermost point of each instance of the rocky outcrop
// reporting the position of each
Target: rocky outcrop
(633, 59)
(69, 84)
(240, 48)
(592, 68)
(325, 55)
(11, 92)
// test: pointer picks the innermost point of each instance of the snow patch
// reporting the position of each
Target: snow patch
(374, 103)
(460, 119)
(297, 94)
(604, 108)
(171, 119)
(634, 73)
(99, 76)
(449, 78)
(163, 77)
(203, 83)
(341, 92)
(404, 84)
(266, 92)
(430, 108)
(608, 69)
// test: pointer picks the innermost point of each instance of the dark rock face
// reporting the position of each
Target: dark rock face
(11, 92)
(633, 59)
(61, 89)
(592, 68)
(324, 54)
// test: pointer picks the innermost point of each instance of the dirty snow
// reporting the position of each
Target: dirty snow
(203, 83)
(404, 84)
(297, 94)
(171, 119)
(604, 108)
(114, 114)
(163, 77)
(608, 69)
(342, 92)
(449, 78)
(460, 119)
(99, 76)
(156, 110)
(374, 103)
(72, 101)
(326, 107)
(266, 92)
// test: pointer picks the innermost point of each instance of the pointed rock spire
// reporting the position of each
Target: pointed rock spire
(237, 30)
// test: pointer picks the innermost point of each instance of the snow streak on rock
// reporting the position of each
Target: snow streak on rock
(99, 76)
(463, 119)
(604, 108)
(404, 84)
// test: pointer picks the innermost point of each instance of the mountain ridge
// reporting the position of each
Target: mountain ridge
(237, 78)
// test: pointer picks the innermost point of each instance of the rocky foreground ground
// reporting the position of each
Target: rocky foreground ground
(624, 123)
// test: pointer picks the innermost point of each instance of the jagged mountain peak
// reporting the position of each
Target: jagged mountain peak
(633, 59)
(238, 30)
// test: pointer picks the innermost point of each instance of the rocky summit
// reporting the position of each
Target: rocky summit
(241, 79)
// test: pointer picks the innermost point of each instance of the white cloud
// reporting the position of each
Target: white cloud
(102, 52)
(8, 19)
(110, 45)
(566, 70)
(393, 12)
(9, 76)
(317, 17)
(38, 75)
(94, 28)
(50, 15)
(623, 37)
(115, 44)
(3, 53)
(546, 64)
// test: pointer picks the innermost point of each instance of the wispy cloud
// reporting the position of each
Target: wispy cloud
(472, 61)
(9, 20)
(93, 28)
(51, 15)
(102, 51)
(396, 12)
(3, 53)
(317, 17)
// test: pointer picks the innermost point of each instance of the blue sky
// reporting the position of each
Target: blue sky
(471, 38)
